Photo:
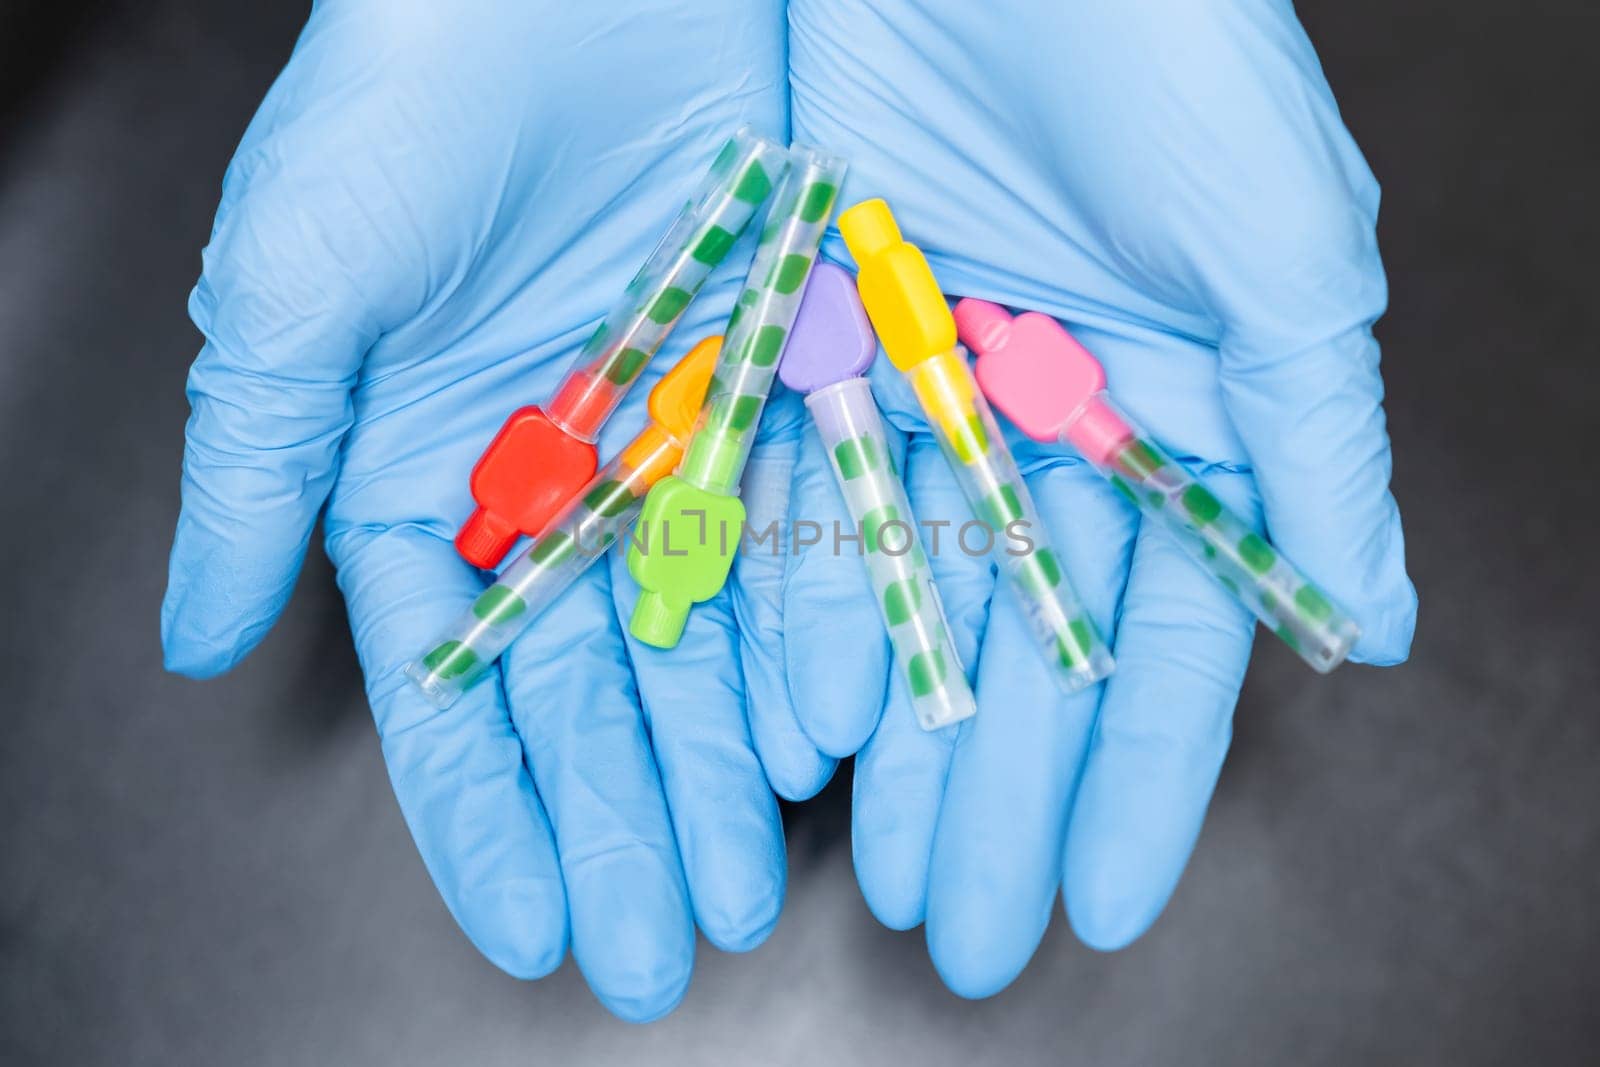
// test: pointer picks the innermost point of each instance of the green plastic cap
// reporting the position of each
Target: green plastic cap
(658, 621)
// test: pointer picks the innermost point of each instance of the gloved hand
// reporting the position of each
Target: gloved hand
(1173, 181)
(430, 212)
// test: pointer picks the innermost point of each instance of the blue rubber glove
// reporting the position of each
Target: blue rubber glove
(430, 212)
(1172, 180)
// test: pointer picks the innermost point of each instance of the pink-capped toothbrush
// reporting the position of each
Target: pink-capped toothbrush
(1055, 390)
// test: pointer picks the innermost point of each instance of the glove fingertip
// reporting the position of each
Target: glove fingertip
(1388, 631)
(197, 644)
(838, 742)
(1106, 924)
(1113, 896)
(650, 1006)
(894, 910)
(967, 981)
(521, 928)
(896, 897)
(974, 959)
(797, 774)
(747, 932)
(838, 718)
(192, 655)
(222, 597)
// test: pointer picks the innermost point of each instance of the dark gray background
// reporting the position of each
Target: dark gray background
(1400, 866)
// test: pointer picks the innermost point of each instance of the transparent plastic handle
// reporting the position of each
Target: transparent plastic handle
(579, 536)
(988, 475)
(1286, 601)
(847, 419)
(740, 181)
(759, 327)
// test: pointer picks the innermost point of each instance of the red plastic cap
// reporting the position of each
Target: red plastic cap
(584, 402)
(530, 469)
(485, 538)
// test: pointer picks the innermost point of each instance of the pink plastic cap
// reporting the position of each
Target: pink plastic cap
(1044, 380)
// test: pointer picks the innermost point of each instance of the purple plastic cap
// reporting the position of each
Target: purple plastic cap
(831, 339)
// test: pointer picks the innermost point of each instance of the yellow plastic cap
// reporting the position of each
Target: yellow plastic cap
(897, 287)
(675, 401)
(869, 228)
